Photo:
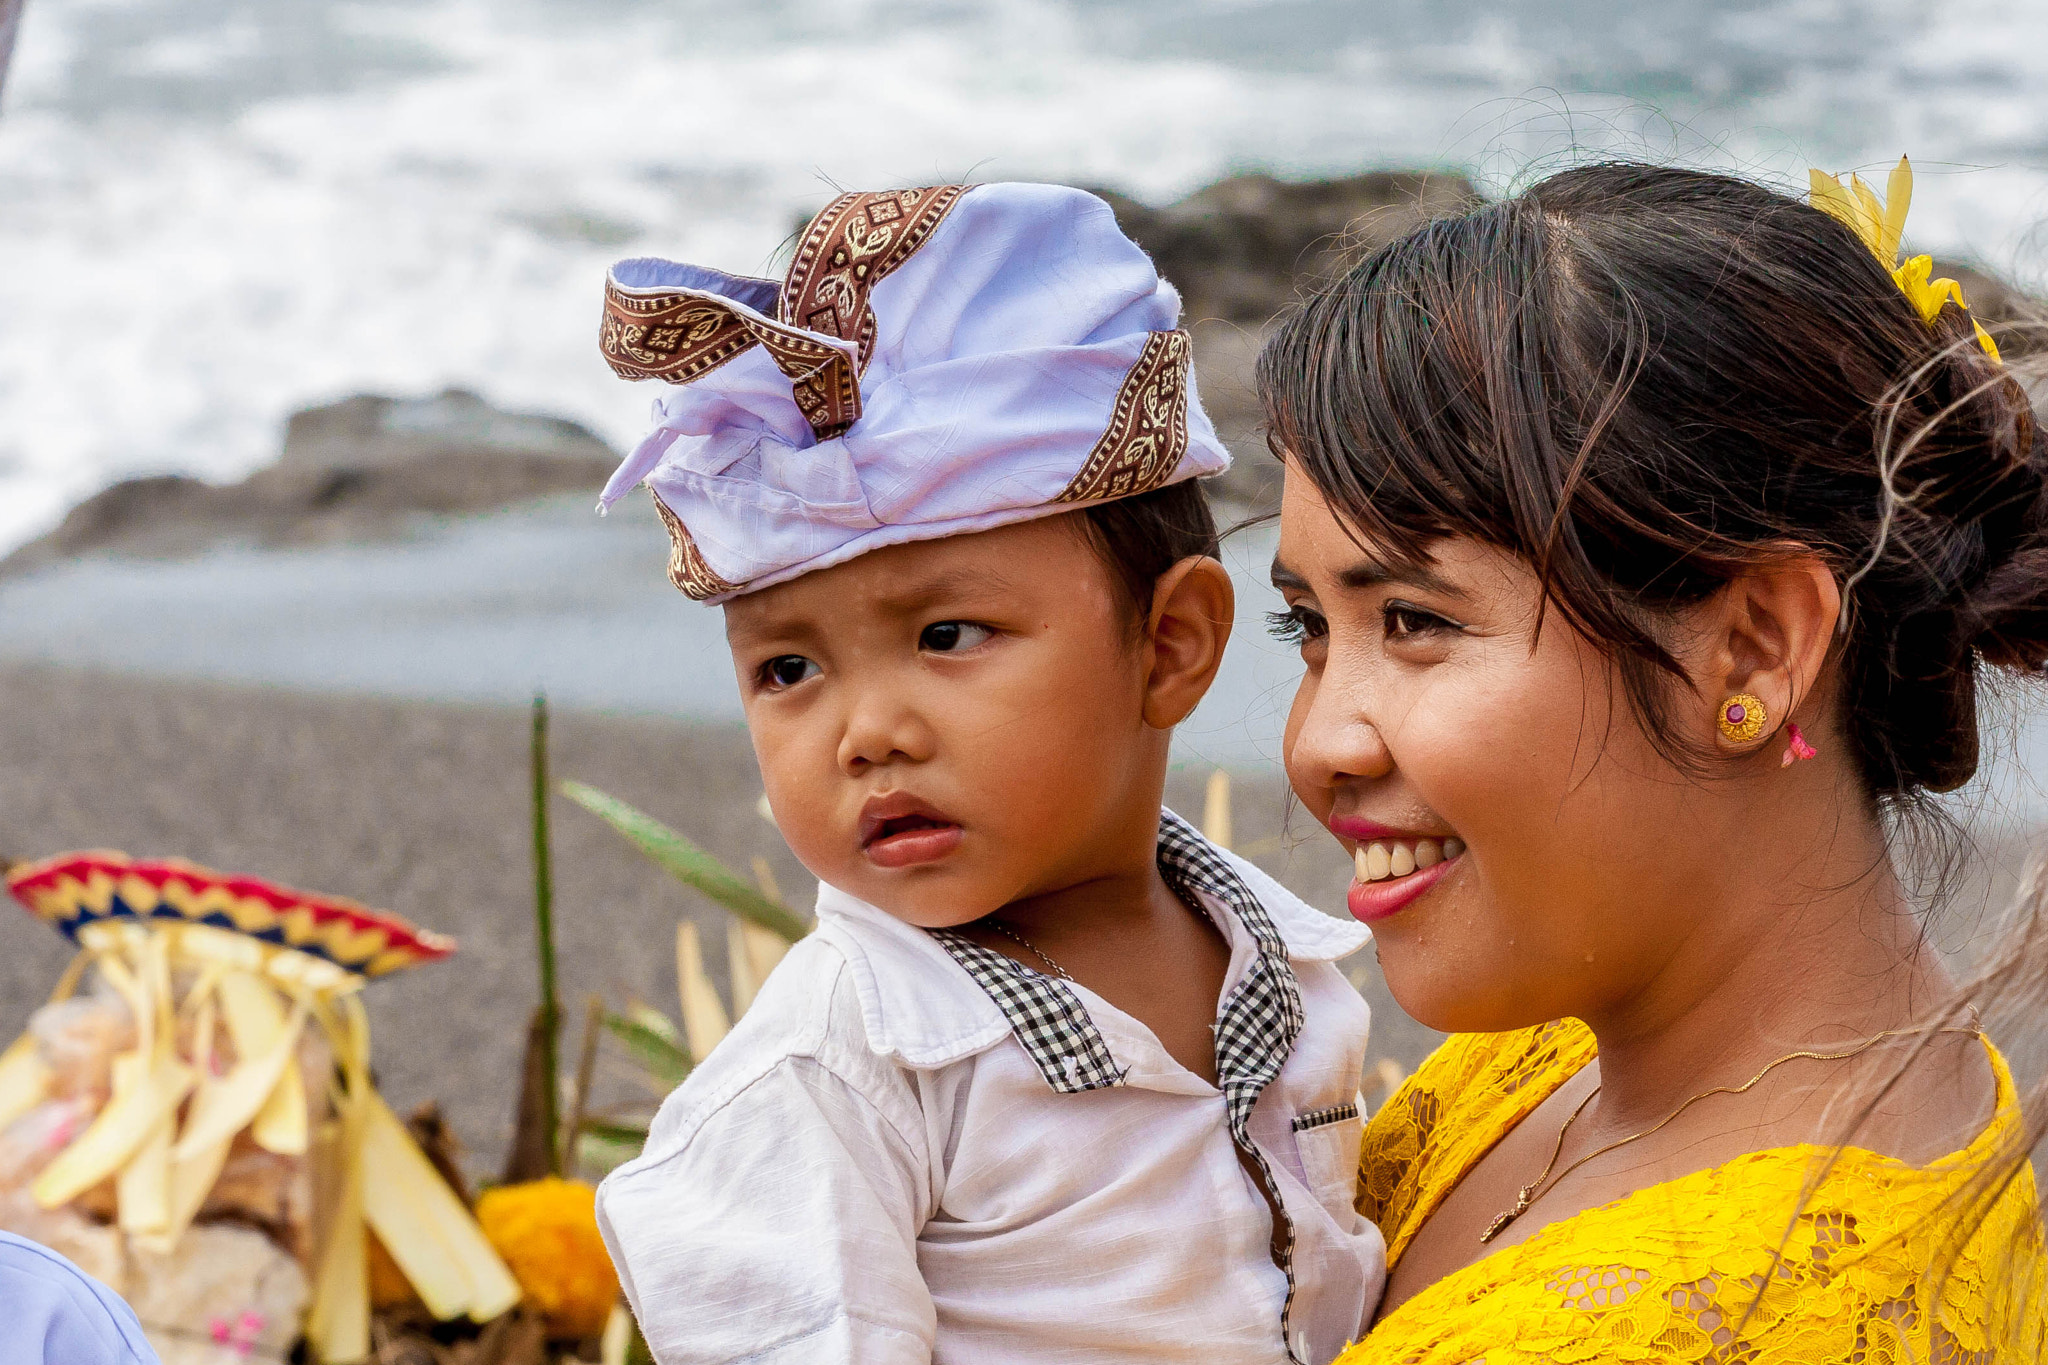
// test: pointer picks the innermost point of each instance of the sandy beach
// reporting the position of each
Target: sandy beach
(421, 807)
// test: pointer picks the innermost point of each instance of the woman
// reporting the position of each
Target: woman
(1645, 545)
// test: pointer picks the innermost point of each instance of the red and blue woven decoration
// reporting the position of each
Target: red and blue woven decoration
(75, 889)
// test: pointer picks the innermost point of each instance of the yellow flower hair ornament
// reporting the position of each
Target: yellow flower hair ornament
(1880, 226)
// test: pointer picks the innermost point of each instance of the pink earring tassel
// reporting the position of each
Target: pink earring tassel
(1798, 750)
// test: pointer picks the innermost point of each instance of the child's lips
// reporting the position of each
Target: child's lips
(914, 846)
(901, 831)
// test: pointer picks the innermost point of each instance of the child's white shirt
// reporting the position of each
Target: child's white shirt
(875, 1166)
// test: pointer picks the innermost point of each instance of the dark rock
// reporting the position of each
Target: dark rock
(361, 469)
(1240, 250)
(1244, 249)
(370, 431)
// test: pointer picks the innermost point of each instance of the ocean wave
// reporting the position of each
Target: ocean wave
(213, 213)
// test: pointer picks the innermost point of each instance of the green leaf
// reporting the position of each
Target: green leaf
(599, 1153)
(654, 1046)
(614, 1134)
(688, 863)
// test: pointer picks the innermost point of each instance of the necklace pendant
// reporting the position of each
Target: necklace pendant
(1500, 1224)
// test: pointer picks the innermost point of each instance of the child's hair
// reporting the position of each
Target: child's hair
(1644, 380)
(1140, 538)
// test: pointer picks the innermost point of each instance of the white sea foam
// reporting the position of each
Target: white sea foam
(214, 211)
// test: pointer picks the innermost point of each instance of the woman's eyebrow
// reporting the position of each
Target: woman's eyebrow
(1371, 573)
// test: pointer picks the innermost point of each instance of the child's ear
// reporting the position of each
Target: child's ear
(1193, 604)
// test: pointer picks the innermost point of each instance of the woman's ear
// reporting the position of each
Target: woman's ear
(1193, 604)
(1769, 634)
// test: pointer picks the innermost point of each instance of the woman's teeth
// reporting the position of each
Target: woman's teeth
(1384, 858)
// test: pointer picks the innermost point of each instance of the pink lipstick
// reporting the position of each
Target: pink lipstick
(1393, 866)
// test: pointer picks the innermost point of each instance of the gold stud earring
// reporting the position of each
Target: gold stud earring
(1742, 717)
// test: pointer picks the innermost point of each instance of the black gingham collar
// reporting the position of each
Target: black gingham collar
(1255, 1029)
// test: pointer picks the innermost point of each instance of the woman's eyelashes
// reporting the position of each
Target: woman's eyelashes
(1301, 626)
(1296, 626)
(785, 671)
(1406, 621)
(950, 637)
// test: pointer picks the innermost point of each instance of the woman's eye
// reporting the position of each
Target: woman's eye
(1296, 626)
(1406, 622)
(786, 670)
(946, 637)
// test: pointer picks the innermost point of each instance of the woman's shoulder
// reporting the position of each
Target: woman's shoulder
(1818, 1251)
(1470, 1091)
(1817, 1255)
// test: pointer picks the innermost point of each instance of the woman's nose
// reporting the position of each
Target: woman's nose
(1331, 737)
(884, 725)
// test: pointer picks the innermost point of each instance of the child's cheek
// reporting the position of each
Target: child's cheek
(803, 786)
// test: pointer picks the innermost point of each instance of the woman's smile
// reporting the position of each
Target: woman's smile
(1392, 867)
(1392, 873)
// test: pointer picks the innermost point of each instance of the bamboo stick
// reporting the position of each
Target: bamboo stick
(544, 932)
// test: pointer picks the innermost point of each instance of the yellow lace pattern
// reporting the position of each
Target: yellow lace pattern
(1794, 1256)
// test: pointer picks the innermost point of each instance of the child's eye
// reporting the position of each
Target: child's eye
(786, 670)
(946, 637)
(1404, 621)
(1297, 625)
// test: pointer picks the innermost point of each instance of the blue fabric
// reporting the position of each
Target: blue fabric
(52, 1313)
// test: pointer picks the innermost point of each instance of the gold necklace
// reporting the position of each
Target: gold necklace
(1007, 932)
(1529, 1194)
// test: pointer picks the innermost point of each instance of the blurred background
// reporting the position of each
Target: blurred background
(302, 422)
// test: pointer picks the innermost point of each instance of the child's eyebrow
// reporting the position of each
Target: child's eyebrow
(913, 593)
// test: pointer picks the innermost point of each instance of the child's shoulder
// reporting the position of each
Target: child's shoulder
(807, 1011)
(802, 1046)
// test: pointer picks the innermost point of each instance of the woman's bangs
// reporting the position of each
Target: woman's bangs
(1381, 392)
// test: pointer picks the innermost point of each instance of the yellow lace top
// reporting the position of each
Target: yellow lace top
(1702, 1268)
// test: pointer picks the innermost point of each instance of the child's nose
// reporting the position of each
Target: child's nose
(884, 726)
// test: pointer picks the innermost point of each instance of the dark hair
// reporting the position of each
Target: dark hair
(1644, 380)
(1141, 537)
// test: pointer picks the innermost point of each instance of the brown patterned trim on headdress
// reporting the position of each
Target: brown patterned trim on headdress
(849, 248)
(682, 335)
(1148, 428)
(676, 337)
(686, 566)
(821, 380)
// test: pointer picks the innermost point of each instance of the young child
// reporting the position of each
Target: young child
(1055, 1079)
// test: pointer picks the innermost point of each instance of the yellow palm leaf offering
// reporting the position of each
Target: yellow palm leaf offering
(1882, 226)
(191, 1116)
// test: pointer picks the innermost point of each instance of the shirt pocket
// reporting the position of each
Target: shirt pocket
(1328, 1141)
